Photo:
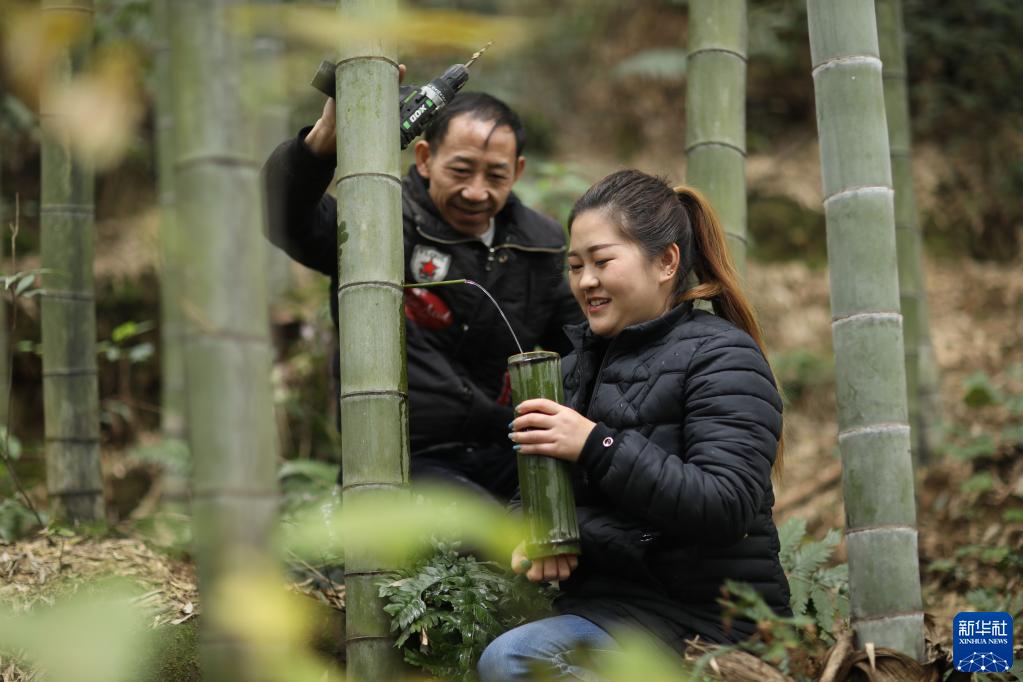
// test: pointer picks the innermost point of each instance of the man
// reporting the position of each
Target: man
(461, 220)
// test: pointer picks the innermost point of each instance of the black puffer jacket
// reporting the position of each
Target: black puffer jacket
(457, 344)
(674, 484)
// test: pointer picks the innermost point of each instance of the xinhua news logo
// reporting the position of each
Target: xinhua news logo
(982, 642)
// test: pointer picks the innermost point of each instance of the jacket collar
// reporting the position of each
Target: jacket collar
(516, 225)
(583, 338)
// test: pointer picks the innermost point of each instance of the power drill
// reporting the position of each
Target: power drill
(418, 105)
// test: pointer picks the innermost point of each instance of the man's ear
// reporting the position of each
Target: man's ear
(520, 165)
(422, 151)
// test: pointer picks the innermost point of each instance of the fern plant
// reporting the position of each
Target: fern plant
(447, 608)
(818, 591)
(819, 601)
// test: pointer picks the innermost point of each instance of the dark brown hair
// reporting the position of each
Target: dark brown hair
(653, 215)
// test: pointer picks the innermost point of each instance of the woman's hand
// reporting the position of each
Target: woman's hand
(548, 568)
(544, 427)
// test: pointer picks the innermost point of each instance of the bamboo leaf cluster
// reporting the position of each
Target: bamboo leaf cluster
(447, 608)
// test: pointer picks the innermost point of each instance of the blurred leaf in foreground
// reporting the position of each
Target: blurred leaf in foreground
(94, 636)
(273, 624)
(398, 524)
(413, 30)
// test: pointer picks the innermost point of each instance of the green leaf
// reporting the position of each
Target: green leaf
(24, 283)
(658, 63)
(27, 346)
(799, 599)
(978, 391)
(126, 330)
(980, 482)
(1012, 515)
(308, 469)
(10, 443)
(980, 446)
(790, 534)
(140, 353)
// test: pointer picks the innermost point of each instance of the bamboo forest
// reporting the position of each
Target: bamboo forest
(489, 340)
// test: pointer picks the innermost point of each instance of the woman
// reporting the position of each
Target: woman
(673, 421)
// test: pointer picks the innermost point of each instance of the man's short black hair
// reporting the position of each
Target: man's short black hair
(482, 107)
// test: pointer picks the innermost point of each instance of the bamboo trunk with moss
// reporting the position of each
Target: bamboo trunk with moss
(172, 320)
(74, 479)
(716, 113)
(921, 366)
(874, 436)
(227, 348)
(374, 389)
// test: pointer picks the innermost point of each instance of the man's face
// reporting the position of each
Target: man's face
(471, 172)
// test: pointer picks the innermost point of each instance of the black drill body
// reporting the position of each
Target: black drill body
(417, 105)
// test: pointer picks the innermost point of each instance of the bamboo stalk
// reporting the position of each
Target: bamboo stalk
(548, 502)
(272, 126)
(74, 480)
(172, 320)
(921, 367)
(881, 536)
(374, 386)
(716, 113)
(227, 349)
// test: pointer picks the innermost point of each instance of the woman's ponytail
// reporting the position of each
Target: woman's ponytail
(713, 266)
(718, 280)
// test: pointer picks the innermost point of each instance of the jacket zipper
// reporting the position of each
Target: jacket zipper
(596, 379)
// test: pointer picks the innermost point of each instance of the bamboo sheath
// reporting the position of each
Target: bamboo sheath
(874, 435)
(716, 113)
(921, 368)
(68, 314)
(172, 259)
(545, 483)
(374, 387)
(227, 349)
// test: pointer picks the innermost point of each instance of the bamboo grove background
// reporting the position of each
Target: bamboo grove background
(168, 369)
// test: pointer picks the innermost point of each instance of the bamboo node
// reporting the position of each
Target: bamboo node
(847, 60)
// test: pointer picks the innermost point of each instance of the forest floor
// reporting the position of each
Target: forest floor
(970, 506)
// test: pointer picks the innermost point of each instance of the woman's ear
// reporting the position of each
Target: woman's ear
(668, 262)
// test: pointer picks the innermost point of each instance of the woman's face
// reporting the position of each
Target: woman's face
(612, 278)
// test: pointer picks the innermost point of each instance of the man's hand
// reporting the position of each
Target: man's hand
(322, 139)
(547, 569)
(545, 427)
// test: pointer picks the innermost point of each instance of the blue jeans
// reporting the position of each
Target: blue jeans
(544, 650)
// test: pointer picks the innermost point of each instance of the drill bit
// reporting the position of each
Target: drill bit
(476, 55)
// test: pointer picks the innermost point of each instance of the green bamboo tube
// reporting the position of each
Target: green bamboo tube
(716, 113)
(921, 371)
(172, 320)
(544, 482)
(68, 310)
(874, 434)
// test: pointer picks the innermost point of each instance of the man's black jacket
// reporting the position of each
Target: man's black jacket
(457, 344)
(674, 484)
